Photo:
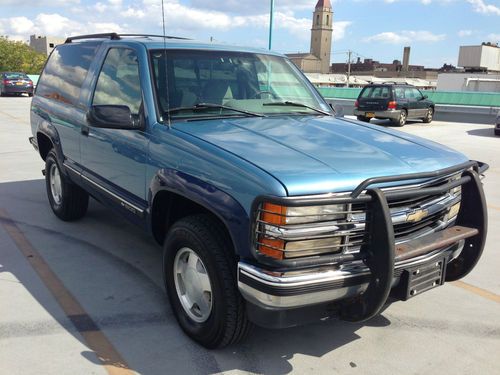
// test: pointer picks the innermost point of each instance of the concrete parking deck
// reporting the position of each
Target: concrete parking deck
(87, 297)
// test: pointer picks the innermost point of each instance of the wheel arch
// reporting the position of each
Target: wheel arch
(174, 195)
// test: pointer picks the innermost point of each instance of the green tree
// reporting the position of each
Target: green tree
(19, 57)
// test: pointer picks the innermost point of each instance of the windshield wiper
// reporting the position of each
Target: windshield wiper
(202, 106)
(295, 104)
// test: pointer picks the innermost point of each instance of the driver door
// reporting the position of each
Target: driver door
(114, 160)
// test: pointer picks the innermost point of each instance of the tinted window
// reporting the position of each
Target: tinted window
(376, 92)
(65, 72)
(15, 76)
(399, 93)
(119, 82)
(412, 93)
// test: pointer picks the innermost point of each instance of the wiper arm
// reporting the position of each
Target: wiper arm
(295, 104)
(202, 106)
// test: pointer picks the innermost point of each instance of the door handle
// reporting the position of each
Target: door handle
(85, 130)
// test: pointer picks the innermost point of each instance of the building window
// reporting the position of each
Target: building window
(327, 19)
(317, 19)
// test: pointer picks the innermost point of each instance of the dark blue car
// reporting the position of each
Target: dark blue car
(269, 208)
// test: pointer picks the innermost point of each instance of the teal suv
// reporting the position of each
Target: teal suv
(396, 102)
(269, 208)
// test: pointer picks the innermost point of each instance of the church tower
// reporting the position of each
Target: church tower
(321, 34)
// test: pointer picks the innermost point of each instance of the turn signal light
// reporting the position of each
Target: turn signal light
(273, 214)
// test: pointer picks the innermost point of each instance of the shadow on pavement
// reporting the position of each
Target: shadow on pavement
(484, 132)
(114, 270)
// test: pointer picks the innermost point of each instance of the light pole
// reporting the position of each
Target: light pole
(271, 20)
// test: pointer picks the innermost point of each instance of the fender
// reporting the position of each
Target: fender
(218, 202)
(46, 128)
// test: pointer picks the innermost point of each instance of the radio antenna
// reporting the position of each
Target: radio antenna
(165, 57)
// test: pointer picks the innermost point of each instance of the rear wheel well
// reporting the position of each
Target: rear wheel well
(44, 145)
(168, 208)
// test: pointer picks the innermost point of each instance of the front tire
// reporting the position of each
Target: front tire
(199, 270)
(429, 116)
(68, 201)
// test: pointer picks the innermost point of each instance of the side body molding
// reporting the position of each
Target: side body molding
(218, 202)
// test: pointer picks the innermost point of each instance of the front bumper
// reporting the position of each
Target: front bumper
(392, 114)
(364, 280)
(281, 291)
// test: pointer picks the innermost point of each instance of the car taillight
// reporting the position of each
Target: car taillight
(6, 82)
(356, 104)
(392, 105)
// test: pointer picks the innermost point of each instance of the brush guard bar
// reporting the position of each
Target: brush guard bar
(382, 253)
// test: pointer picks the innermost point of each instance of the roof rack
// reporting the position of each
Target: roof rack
(115, 36)
(112, 36)
(156, 36)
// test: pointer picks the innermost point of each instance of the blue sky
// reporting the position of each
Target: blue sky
(377, 29)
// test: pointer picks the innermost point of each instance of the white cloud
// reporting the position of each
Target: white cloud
(494, 38)
(133, 13)
(19, 24)
(405, 36)
(480, 6)
(53, 24)
(465, 33)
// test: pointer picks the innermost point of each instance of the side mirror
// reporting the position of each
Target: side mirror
(112, 117)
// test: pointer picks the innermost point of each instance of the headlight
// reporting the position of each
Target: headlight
(281, 215)
(291, 232)
(311, 214)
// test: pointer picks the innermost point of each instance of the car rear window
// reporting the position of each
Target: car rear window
(16, 76)
(376, 92)
(64, 73)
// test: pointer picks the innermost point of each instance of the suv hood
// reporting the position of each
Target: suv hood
(320, 154)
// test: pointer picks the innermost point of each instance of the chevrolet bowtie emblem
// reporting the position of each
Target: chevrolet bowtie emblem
(416, 215)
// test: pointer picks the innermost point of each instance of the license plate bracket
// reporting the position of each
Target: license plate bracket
(369, 114)
(419, 279)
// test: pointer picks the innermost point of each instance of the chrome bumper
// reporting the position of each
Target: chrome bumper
(391, 114)
(273, 290)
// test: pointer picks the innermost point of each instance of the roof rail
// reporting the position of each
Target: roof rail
(155, 35)
(112, 36)
(115, 36)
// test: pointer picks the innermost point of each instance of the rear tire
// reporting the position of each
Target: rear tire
(68, 201)
(430, 115)
(401, 121)
(363, 118)
(222, 320)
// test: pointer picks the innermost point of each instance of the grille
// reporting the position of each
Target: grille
(405, 231)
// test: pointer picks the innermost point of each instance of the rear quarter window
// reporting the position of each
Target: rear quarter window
(376, 92)
(65, 72)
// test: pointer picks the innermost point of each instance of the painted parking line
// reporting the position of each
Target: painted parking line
(479, 291)
(83, 322)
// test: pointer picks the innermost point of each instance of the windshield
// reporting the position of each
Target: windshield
(256, 83)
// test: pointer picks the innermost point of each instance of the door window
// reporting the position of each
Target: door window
(417, 94)
(410, 93)
(119, 82)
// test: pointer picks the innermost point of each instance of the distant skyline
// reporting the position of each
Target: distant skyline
(377, 29)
